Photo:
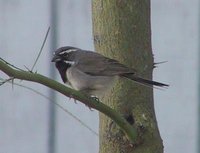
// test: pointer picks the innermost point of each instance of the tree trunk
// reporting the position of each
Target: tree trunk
(122, 31)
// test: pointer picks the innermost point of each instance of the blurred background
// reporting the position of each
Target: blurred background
(29, 123)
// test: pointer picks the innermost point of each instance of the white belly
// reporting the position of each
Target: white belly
(96, 85)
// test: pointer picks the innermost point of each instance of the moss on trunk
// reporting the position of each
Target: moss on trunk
(122, 31)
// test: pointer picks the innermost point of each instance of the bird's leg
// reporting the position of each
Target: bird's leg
(95, 98)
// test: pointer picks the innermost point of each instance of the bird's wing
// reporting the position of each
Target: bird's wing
(99, 65)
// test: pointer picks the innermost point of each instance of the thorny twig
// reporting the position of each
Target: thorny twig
(7, 80)
(10, 64)
(40, 50)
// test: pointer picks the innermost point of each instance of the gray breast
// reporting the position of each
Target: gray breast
(81, 81)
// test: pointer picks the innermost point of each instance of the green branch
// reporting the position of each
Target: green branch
(91, 102)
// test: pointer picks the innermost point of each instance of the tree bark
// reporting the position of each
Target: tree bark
(122, 31)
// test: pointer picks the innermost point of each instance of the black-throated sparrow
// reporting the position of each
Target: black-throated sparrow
(91, 72)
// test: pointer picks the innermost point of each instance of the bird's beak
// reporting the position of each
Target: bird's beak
(56, 58)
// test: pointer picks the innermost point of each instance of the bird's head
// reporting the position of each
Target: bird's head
(64, 54)
(64, 59)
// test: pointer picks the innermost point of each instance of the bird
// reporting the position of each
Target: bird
(93, 73)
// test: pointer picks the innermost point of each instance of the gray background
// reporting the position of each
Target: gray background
(24, 114)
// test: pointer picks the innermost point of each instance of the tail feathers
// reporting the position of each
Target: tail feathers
(145, 81)
(149, 82)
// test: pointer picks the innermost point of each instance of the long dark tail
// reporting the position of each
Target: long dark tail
(144, 81)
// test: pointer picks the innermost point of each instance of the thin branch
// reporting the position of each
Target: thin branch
(10, 64)
(91, 102)
(6, 80)
(40, 49)
(46, 97)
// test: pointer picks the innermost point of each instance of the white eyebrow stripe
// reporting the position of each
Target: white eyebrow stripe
(70, 62)
(68, 51)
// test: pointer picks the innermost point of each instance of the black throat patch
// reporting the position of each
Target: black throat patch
(62, 68)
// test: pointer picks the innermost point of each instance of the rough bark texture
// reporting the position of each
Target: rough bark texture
(122, 31)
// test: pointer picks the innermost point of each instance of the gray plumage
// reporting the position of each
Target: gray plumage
(91, 72)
